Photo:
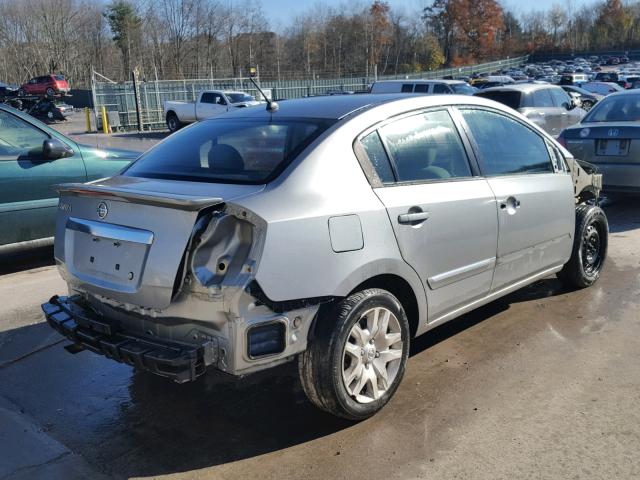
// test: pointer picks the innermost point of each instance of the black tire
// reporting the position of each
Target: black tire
(21, 92)
(173, 122)
(587, 105)
(50, 92)
(589, 248)
(321, 366)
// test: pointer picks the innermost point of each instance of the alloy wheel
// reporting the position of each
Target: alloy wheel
(372, 355)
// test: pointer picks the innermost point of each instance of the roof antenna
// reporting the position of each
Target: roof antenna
(271, 105)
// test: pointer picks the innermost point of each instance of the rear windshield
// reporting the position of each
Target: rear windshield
(58, 77)
(229, 150)
(620, 108)
(510, 99)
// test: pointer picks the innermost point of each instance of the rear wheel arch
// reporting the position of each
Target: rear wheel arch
(392, 283)
(399, 288)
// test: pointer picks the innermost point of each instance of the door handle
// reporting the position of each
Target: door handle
(412, 217)
(510, 204)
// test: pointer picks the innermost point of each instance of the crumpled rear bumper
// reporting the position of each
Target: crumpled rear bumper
(177, 361)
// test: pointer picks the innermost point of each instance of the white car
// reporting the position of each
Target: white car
(210, 103)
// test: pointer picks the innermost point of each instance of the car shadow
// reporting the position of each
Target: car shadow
(221, 419)
(130, 423)
(623, 212)
(35, 258)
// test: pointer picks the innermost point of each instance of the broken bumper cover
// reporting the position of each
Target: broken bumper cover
(180, 362)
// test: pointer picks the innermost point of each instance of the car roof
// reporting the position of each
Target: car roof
(336, 107)
(520, 87)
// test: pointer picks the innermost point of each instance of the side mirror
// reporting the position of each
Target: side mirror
(53, 149)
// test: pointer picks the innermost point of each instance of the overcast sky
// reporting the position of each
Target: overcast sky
(282, 12)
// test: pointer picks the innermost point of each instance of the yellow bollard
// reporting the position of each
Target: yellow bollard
(105, 120)
(87, 116)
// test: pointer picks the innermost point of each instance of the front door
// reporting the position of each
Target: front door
(444, 218)
(28, 201)
(534, 197)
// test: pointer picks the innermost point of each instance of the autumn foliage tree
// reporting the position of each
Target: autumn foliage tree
(613, 23)
(470, 28)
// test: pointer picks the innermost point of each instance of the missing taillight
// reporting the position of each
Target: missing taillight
(263, 340)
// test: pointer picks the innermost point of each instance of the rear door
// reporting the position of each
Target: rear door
(534, 195)
(443, 216)
(207, 107)
(441, 88)
(28, 202)
(41, 86)
(569, 115)
(545, 113)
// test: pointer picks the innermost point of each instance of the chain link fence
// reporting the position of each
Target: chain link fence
(139, 105)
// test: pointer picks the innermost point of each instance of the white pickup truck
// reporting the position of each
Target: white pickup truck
(210, 103)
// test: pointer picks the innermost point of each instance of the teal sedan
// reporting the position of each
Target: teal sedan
(34, 158)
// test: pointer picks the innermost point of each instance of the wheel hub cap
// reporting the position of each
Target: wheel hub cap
(372, 355)
(591, 249)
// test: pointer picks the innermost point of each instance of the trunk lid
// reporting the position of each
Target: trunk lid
(125, 237)
(601, 143)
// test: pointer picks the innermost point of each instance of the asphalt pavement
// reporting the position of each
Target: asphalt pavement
(542, 384)
(75, 128)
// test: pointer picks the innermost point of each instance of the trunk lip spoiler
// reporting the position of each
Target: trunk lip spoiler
(172, 200)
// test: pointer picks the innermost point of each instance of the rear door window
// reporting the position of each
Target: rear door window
(441, 88)
(560, 98)
(407, 88)
(378, 157)
(421, 88)
(541, 99)
(511, 99)
(207, 97)
(506, 146)
(426, 147)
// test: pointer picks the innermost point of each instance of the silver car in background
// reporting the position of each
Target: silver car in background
(548, 106)
(609, 137)
(331, 231)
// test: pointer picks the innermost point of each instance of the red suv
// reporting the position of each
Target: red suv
(45, 85)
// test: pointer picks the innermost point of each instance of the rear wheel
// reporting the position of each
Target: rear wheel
(589, 248)
(50, 92)
(358, 358)
(173, 123)
(21, 93)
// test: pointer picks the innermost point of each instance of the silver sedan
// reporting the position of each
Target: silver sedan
(330, 231)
